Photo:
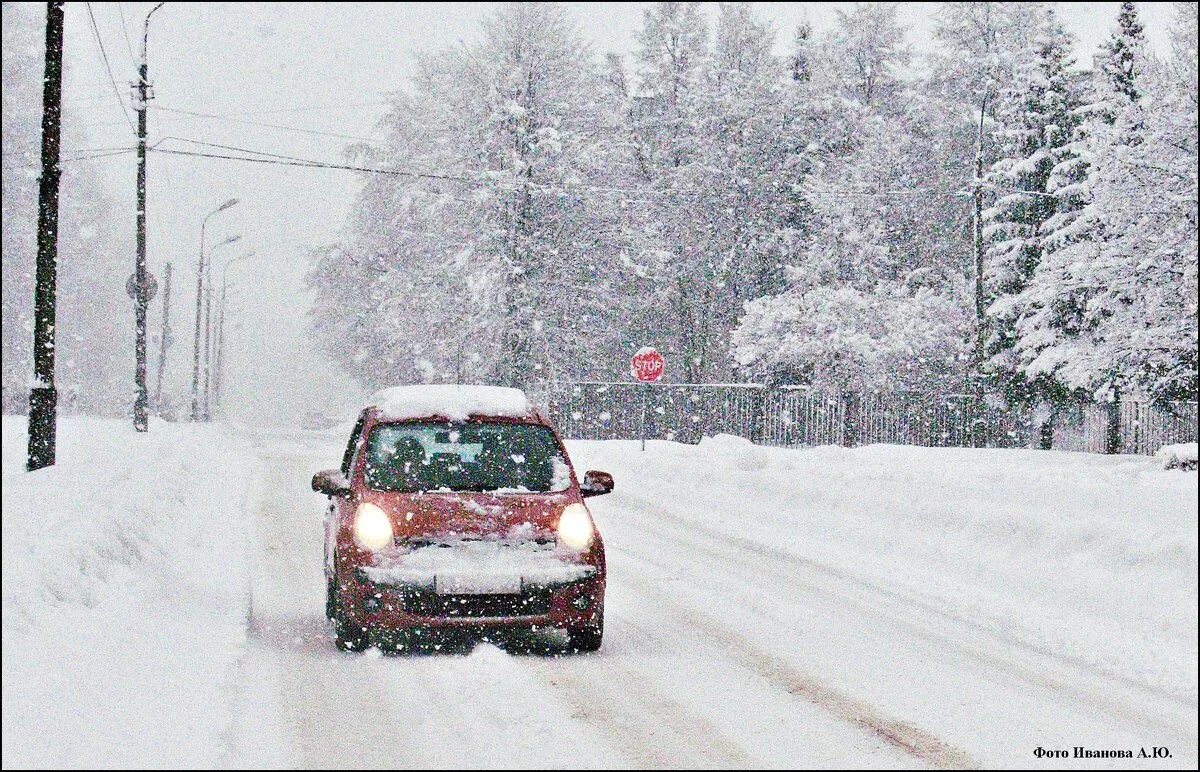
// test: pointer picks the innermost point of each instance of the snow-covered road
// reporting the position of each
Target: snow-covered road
(720, 651)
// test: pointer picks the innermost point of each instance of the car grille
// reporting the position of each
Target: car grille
(431, 604)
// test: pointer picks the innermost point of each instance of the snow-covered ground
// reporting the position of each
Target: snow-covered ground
(125, 594)
(882, 606)
(1085, 556)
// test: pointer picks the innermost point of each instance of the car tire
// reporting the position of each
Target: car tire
(346, 635)
(587, 638)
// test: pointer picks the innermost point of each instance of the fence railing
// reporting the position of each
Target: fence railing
(796, 416)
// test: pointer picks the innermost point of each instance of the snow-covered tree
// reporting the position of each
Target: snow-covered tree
(876, 276)
(817, 217)
(672, 83)
(1112, 308)
(896, 336)
(980, 46)
(501, 241)
(1036, 112)
(867, 53)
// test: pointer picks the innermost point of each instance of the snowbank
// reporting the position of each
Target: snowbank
(1181, 456)
(1089, 556)
(125, 595)
(457, 403)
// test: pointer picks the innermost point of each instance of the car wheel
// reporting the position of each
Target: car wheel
(586, 638)
(346, 635)
(401, 641)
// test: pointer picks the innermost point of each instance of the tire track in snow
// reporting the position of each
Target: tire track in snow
(784, 567)
(329, 708)
(702, 739)
(904, 736)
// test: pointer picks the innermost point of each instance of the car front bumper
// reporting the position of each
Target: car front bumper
(397, 607)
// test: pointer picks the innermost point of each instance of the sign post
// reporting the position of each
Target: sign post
(647, 366)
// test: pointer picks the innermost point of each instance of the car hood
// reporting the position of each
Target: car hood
(473, 515)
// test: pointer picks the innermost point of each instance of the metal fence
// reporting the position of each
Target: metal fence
(796, 416)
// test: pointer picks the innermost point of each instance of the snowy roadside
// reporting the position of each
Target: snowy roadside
(1087, 557)
(125, 594)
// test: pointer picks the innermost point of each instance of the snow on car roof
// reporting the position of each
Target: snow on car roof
(456, 402)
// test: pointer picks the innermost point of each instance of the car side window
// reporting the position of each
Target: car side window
(348, 457)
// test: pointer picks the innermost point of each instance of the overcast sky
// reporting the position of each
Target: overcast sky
(309, 67)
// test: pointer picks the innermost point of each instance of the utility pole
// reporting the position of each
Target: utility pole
(43, 398)
(165, 342)
(141, 281)
(140, 420)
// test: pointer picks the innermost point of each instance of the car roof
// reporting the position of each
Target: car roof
(456, 402)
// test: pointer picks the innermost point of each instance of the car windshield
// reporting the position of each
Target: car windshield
(461, 456)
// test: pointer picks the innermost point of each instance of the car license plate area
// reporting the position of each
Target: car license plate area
(477, 584)
(429, 603)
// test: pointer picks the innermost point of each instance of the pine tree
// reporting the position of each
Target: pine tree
(672, 83)
(1112, 309)
(1123, 56)
(801, 53)
(1115, 86)
(1035, 113)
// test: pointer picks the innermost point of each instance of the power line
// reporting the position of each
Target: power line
(303, 109)
(288, 160)
(92, 157)
(76, 150)
(125, 32)
(278, 126)
(280, 111)
(108, 154)
(291, 161)
(108, 68)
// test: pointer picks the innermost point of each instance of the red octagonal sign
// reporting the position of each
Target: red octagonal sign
(648, 365)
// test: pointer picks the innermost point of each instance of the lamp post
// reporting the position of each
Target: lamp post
(219, 374)
(208, 327)
(199, 307)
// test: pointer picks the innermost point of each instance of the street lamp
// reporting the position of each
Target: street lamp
(219, 377)
(199, 306)
(208, 325)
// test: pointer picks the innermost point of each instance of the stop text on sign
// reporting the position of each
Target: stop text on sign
(648, 365)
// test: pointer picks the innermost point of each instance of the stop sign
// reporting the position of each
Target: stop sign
(648, 365)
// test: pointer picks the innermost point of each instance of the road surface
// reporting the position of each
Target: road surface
(718, 652)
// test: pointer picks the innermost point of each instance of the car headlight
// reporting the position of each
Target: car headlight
(372, 527)
(575, 528)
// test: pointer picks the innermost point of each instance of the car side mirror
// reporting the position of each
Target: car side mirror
(331, 482)
(596, 483)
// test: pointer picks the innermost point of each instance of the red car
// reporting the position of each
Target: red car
(456, 509)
